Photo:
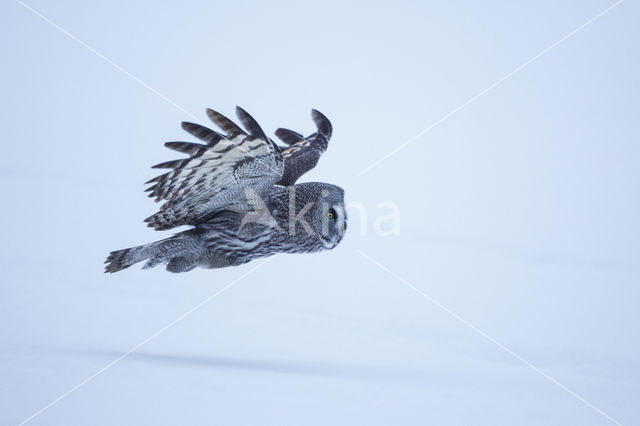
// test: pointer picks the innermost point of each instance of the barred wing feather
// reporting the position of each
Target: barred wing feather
(216, 176)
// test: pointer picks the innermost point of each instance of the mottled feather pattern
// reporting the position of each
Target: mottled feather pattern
(216, 173)
(225, 183)
(203, 133)
(288, 152)
(289, 137)
(230, 128)
(199, 183)
(208, 163)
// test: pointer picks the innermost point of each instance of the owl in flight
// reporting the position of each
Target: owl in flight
(238, 191)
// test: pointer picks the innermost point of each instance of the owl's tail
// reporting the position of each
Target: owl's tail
(170, 250)
(122, 259)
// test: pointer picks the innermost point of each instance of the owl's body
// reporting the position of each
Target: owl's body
(238, 194)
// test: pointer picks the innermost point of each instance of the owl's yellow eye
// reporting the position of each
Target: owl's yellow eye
(331, 214)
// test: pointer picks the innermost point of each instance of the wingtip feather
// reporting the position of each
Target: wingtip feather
(250, 123)
(322, 123)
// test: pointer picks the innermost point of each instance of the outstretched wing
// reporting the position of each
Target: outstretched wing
(216, 176)
(303, 153)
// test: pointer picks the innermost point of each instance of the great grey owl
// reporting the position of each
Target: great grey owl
(238, 193)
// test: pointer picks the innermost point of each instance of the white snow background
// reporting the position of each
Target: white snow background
(519, 214)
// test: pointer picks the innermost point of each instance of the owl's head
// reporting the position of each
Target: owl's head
(330, 214)
(314, 216)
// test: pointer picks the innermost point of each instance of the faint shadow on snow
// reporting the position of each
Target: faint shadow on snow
(403, 375)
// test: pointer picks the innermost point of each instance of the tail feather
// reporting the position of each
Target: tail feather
(122, 259)
(180, 252)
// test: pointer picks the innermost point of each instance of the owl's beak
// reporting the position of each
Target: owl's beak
(330, 243)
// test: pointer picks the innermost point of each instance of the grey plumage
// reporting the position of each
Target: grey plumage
(238, 192)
